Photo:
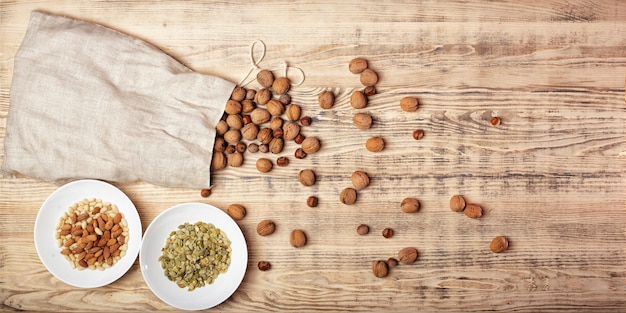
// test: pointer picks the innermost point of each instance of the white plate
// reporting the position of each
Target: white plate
(57, 204)
(154, 240)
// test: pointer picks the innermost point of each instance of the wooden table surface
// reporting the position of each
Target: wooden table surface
(550, 177)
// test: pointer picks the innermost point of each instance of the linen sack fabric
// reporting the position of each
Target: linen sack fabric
(87, 101)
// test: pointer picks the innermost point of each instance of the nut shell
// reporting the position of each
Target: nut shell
(348, 196)
(297, 238)
(499, 244)
(375, 144)
(407, 255)
(410, 205)
(380, 269)
(236, 211)
(265, 227)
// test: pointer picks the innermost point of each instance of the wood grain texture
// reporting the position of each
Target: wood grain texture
(550, 177)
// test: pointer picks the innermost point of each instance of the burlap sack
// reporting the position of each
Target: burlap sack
(87, 101)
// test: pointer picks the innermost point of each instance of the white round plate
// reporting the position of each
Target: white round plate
(154, 240)
(45, 228)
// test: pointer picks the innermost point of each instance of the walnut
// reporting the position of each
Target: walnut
(218, 161)
(281, 85)
(232, 136)
(293, 112)
(348, 196)
(259, 116)
(407, 255)
(307, 177)
(410, 205)
(235, 159)
(362, 120)
(263, 96)
(238, 94)
(380, 269)
(409, 104)
(357, 65)
(457, 203)
(326, 100)
(265, 227)
(250, 131)
(264, 165)
(297, 238)
(236, 211)
(265, 135)
(360, 180)
(232, 107)
(358, 100)
(275, 107)
(290, 130)
(368, 77)
(265, 78)
(375, 144)
(310, 145)
(276, 145)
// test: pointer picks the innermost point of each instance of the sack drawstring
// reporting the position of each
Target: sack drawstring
(255, 66)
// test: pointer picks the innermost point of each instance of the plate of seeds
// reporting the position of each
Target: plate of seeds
(193, 256)
(88, 233)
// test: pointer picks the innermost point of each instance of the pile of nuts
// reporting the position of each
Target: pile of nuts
(92, 234)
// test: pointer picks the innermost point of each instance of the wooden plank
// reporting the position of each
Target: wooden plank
(550, 177)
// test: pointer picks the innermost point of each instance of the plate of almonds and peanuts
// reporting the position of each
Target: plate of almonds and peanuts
(88, 233)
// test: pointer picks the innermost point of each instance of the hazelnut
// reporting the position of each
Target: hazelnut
(232, 136)
(311, 145)
(250, 131)
(218, 161)
(234, 121)
(290, 130)
(457, 203)
(409, 104)
(312, 201)
(305, 121)
(495, 121)
(235, 159)
(392, 262)
(299, 139)
(263, 96)
(276, 145)
(263, 165)
(357, 65)
(281, 85)
(360, 180)
(264, 266)
(238, 94)
(221, 128)
(368, 77)
(250, 94)
(473, 210)
(205, 193)
(236, 211)
(362, 229)
(265, 227)
(276, 122)
(387, 232)
(264, 148)
(275, 107)
(265, 78)
(297, 238)
(300, 154)
(265, 135)
(362, 120)
(285, 99)
(375, 144)
(410, 205)
(246, 119)
(253, 147)
(407, 255)
(326, 100)
(247, 106)
(380, 269)
(293, 112)
(232, 107)
(282, 161)
(348, 196)
(358, 100)
(306, 177)
(369, 91)
(499, 244)
(418, 134)
(230, 149)
(260, 116)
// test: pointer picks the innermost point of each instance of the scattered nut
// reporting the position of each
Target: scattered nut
(311, 145)
(247, 106)
(299, 139)
(392, 262)
(205, 193)
(457, 203)
(418, 134)
(232, 136)
(241, 147)
(275, 107)
(263, 165)
(358, 100)
(291, 130)
(263, 96)
(264, 148)
(232, 107)
(235, 159)
(236, 211)
(357, 65)
(312, 201)
(473, 210)
(326, 100)
(285, 99)
(362, 120)
(300, 154)
(238, 94)
(265, 135)
(282, 161)
(380, 269)
(253, 148)
(250, 131)
(265, 78)
(499, 244)
(495, 121)
(360, 180)
(407, 255)
(369, 91)
(306, 177)
(348, 196)
(276, 145)
(250, 94)
(264, 266)
(293, 112)
(369, 77)
(387, 232)
(305, 121)
(276, 123)
(281, 85)
(362, 229)
(410, 205)
(409, 104)
(375, 144)
(297, 238)
(230, 149)
(260, 116)
(218, 161)
(277, 133)
(265, 227)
